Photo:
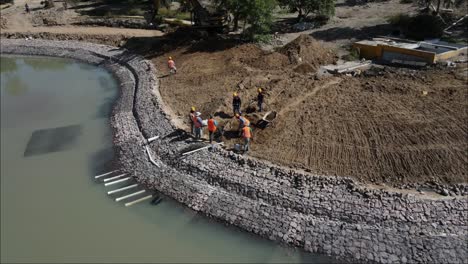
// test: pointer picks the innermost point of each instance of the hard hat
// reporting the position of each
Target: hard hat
(193, 108)
(259, 90)
(237, 115)
(170, 57)
(234, 94)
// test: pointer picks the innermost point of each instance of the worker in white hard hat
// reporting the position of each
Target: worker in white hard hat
(198, 124)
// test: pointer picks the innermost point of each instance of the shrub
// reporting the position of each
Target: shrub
(418, 27)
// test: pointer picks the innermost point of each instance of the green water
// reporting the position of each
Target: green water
(55, 137)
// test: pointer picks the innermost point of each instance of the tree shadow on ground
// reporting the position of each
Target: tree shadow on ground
(178, 135)
(222, 115)
(340, 33)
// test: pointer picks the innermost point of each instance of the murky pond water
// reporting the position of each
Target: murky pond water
(55, 136)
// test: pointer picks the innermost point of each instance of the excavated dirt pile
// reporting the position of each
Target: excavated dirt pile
(390, 125)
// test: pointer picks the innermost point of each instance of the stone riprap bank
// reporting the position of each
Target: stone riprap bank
(330, 215)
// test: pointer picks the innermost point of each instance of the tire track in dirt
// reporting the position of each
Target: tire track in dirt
(294, 103)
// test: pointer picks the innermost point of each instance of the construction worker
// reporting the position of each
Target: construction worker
(191, 117)
(247, 135)
(171, 66)
(236, 104)
(242, 121)
(198, 123)
(26, 7)
(212, 126)
(260, 99)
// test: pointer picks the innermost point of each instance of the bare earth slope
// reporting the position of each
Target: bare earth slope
(378, 127)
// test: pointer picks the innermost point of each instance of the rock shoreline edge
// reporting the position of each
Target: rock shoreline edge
(328, 215)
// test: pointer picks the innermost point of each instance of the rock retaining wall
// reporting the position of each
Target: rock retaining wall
(330, 215)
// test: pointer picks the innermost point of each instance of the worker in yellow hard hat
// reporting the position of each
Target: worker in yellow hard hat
(260, 98)
(236, 103)
(191, 118)
(171, 65)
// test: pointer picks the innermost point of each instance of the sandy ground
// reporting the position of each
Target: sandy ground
(377, 127)
(59, 21)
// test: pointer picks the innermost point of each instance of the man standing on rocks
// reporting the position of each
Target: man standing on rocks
(212, 126)
(198, 123)
(236, 104)
(191, 117)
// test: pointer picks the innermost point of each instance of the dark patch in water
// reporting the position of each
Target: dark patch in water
(52, 140)
(101, 161)
(105, 110)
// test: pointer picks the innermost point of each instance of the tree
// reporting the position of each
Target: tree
(257, 13)
(306, 7)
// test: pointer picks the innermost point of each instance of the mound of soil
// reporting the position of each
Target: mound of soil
(306, 49)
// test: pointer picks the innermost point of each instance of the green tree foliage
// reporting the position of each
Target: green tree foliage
(305, 7)
(257, 13)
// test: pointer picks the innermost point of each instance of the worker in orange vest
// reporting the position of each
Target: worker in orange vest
(198, 123)
(212, 126)
(247, 135)
(171, 66)
(191, 116)
(242, 121)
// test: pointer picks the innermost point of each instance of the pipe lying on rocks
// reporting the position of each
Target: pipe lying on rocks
(139, 200)
(115, 177)
(117, 181)
(202, 148)
(151, 157)
(105, 174)
(123, 189)
(335, 216)
(129, 196)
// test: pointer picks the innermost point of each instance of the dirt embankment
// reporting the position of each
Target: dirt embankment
(378, 127)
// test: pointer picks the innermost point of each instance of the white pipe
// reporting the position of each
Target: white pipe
(117, 181)
(128, 196)
(186, 153)
(123, 189)
(152, 139)
(113, 178)
(150, 157)
(105, 174)
(139, 200)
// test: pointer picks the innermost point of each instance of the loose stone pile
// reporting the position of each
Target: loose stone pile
(330, 215)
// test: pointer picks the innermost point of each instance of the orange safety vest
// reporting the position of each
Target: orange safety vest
(211, 125)
(245, 121)
(195, 122)
(246, 132)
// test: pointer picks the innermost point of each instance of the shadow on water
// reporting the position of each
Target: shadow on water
(105, 109)
(53, 140)
(101, 161)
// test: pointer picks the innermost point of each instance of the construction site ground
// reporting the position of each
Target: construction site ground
(379, 127)
(388, 125)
